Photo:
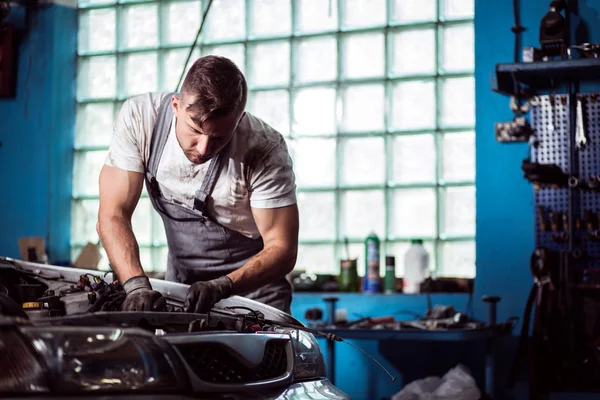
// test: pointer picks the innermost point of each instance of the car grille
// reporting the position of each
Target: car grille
(216, 363)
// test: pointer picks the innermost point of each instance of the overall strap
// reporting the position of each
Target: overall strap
(160, 134)
(209, 181)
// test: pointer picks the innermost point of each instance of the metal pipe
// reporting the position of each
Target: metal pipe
(330, 343)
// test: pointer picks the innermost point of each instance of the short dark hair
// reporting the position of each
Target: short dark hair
(216, 86)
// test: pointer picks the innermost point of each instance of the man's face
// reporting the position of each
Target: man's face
(201, 143)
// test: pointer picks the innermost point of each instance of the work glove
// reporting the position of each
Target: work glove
(140, 296)
(202, 296)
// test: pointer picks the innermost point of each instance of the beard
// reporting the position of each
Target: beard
(195, 157)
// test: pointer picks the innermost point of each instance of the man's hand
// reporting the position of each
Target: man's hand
(202, 296)
(141, 297)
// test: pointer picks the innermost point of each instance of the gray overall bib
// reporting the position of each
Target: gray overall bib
(200, 249)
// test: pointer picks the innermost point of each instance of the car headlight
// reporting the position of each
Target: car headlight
(309, 362)
(21, 371)
(72, 360)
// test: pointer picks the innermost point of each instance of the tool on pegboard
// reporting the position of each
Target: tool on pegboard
(559, 233)
(593, 183)
(519, 129)
(581, 137)
(565, 221)
(542, 218)
(540, 174)
(578, 223)
(592, 223)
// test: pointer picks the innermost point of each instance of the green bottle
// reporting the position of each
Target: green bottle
(390, 274)
(372, 279)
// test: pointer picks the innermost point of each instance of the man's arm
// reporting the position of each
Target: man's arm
(119, 194)
(279, 230)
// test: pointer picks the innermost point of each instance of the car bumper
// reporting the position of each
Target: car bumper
(320, 389)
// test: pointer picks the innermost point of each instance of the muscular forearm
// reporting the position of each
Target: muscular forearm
(121, 246)
(272, 263)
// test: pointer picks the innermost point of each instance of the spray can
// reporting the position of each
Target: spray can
(390, 274)
(372, 280)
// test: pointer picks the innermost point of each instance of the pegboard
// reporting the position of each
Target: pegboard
(551, 145)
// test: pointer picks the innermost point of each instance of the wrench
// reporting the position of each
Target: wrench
(580, 136)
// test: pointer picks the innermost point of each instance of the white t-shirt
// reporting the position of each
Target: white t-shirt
(258, 171)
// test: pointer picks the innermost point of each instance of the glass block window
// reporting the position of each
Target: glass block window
(375, 99)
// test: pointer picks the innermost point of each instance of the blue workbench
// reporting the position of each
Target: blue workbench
(488, 334)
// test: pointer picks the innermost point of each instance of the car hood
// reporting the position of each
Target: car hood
(58, 277)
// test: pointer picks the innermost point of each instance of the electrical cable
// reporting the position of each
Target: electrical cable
(332, 337)
(517, 29)
(11, 308)
(254, 312)
(329, 336)
(194, 44)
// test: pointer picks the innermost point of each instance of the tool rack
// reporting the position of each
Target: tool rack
(565, 120)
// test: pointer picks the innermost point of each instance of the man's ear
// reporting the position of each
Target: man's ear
(175, 103)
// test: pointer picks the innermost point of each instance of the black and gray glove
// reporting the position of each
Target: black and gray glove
(202, 296)
(140, 296)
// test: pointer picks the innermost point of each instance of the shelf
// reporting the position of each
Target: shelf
(537, 77)
(448, 335)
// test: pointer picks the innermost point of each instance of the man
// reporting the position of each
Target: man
(223, 183)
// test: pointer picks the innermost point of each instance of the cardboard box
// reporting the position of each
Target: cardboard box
(33, 249)
(89, 258)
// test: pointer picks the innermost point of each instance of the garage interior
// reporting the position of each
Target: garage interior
(461, 132)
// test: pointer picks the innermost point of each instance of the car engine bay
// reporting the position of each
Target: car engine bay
(46, 298)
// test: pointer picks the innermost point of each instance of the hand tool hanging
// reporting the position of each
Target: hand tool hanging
(542, 266)
(581, 137)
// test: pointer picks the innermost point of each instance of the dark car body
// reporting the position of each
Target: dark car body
(54, 343)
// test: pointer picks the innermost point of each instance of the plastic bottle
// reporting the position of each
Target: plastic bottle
(372, 279)
(390, 274)
(416, 266)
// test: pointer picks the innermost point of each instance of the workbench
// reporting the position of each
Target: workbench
(487, 333)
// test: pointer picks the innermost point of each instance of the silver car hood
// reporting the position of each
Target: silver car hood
(172, 291)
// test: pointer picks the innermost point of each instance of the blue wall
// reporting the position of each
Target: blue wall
(36, 131)
(504, 214)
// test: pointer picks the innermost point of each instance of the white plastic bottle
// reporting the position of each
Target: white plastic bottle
(416, 267)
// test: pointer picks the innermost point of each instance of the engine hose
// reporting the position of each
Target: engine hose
(11, 308)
